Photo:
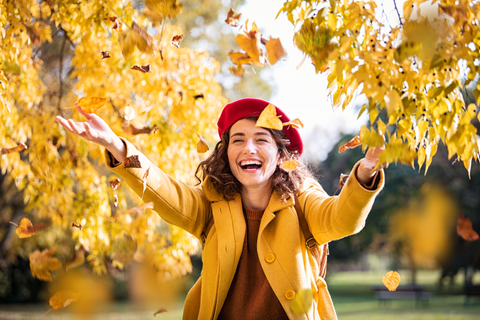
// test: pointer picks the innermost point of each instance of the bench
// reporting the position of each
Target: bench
(405, 292)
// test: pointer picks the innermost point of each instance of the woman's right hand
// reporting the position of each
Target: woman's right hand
(95, 129)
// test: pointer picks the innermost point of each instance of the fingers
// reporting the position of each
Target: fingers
(64, 123)
(85, 114)
(89, 132)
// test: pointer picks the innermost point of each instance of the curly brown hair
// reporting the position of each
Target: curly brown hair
(217, 167)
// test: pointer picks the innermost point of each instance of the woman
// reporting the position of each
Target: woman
(255, 261)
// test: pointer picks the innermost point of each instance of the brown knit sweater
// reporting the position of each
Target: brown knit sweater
(250, 295)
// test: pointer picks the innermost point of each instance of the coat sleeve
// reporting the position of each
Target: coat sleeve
(176, 202)
(334, 217)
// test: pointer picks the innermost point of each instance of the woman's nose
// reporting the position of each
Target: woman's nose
(250, 148)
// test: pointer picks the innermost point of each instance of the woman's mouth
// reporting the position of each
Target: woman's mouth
(250, 165)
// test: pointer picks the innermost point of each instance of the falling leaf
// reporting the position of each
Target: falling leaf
(20, 147)
(199, 96)
(176, 40)
(90, 104)
(133, 130)
(105, 55)
(465, 230)
(77, 260)
(296, 123)
(116, 24)
(143, 69)
(115, 202)
(275, 50)
(355, 142)
(290, 165)
(144, 179)
(140, 209)
(63, 298)
(41, 263)
(251, 47)
(202, 145)
(143, 41)
(341, 181)
(26, 229)
(127, 43)
(124, 248)
(232, 18)
(132, 162)
(161, 310)
(237, 71)
(115, 183)
(302, 302)
(269, 119)
(391, 280)
(79, 226)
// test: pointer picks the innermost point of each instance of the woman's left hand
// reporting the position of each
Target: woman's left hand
(365, 171)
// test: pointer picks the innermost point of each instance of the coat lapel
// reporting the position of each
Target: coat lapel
(275, 204)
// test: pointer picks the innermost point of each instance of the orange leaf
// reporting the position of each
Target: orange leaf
(77, 260)
(275, 50)
(20, 147)
(237, 71)
(144, 69)
(63, 298)
(250, 46)
(232, 18)
(465, 230)
(391, 280)
(115, 183)
(132, 162)
(355, 142)
(296, 123)
(91, 104)
(202, 145)
(176, 40)
(269, 119)
(290, 165)
(26, 229)
(41, 263)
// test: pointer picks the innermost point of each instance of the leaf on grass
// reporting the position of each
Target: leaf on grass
(124, 248)
(302, 302)
(115, 183)
(63, 298)
(20, 147)
(77, 260)
(144, 179)
(269, 119)
(275, 50)
(161, 310)
(465, 230)
(290, 165)
(26, 229)
(41, 263)
(391, 280)
(90, 104)
(177, 39)
(355, 142)
(144, 69)
(296, 123)
(105, 55)
(202, 145)
(132, 162)
(133, 130)
(140, 209)
(79, 226)
(232, 18)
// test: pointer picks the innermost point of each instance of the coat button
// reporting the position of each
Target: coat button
(270, 257)
(289, 294)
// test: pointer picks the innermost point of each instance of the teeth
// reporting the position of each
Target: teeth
(246, 163)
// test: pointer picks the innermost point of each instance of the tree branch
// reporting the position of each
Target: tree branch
(398, 13)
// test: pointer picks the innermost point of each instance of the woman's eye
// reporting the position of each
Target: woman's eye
(262, 140)
(237, 141)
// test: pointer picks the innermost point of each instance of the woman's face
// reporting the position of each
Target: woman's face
(252, 154)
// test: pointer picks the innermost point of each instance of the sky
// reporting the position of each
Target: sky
(300, 93)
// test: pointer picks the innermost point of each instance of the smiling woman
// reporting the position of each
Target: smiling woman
(257, 261)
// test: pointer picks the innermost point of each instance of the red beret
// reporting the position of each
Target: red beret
(250, 107)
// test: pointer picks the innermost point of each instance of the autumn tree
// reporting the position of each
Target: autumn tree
(412, 66)
(157, 95)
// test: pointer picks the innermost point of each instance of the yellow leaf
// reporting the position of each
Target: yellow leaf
(232, 18)
(391, 280)
(141, 38)
(20, 147)
(202, 145)
(269, 119)
(41, 263)
(392, 99)
(250, 46)
(407, 9)
(421, 157)
(296, 123)
(128, 44)
(237, 71)
(275, 50)
(26, 229)
(302, 302)
(91, 104)
(63, 298)
(290, 165)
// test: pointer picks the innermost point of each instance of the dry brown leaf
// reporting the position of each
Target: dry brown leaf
(391, 280)
(269, 119)
(117, 25)
(202, 145)
(232, 18)
(465, 230)
(79, 226)
(132, 162)
(143, 41)
(20, 147)
(161, 310)
(355, 142)
(26, 229)
(105, 55)
(90, 104)
(144, 69)
(133, 130)
(290, 165)
(63, 298)
(177, 39)
(199, 96)
(115, 183)
(275, 50)
(77, 260)
(34, 35)
(140, 209)
(296, 123)
(41, 263)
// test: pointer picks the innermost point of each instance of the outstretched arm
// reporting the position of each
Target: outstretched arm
(95, 129)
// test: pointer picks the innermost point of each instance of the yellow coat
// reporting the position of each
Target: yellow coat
(288, 266)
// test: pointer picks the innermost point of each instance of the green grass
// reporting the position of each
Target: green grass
(351, 292)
